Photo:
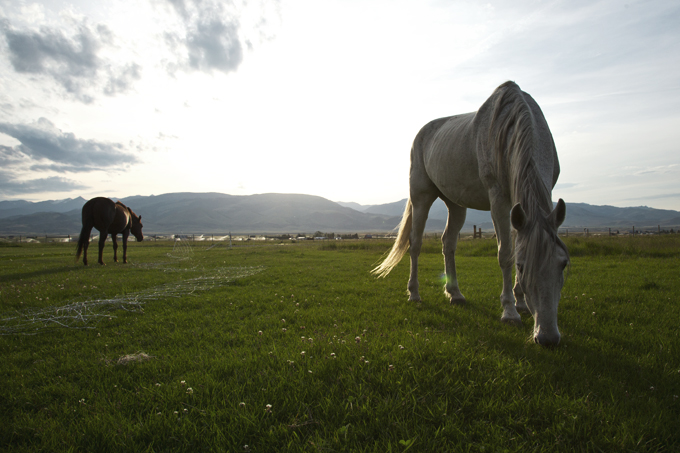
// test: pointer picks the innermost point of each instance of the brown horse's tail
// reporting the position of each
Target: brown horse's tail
(81, 242)
(85, 231)
(400, 245)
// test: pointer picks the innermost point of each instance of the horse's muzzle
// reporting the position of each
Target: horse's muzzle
(548, 340)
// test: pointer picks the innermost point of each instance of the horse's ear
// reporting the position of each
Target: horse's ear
(140, 218)
(558, 214)
(517, 217)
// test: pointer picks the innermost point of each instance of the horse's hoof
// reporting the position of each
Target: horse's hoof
(523, 309)
(458, 301)
(512, 321)
(456, 298)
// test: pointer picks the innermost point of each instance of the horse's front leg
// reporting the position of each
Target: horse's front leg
(520, 301)
(102, 243)
(454, 223)
(125, 239)
(501, 223)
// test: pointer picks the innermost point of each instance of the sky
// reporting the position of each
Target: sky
(324, 97)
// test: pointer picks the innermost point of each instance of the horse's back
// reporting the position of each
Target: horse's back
(99, 212)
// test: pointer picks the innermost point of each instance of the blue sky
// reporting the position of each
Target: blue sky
(144, 97)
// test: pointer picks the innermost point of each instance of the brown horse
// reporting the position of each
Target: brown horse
(108, 217)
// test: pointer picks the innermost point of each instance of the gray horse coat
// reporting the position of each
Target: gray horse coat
(502, 159)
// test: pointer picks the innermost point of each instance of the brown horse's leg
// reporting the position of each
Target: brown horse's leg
(126, 233)
(114, 239)
(86, 244)
(102, 243)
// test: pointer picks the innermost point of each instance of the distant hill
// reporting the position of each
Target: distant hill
(21, 207)
(290, 213)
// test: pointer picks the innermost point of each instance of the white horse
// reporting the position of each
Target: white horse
(501, 158)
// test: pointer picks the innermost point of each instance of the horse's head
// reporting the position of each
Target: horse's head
(541, 258)
(136, 228)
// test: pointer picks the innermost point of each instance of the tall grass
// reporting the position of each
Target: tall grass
(378, 373)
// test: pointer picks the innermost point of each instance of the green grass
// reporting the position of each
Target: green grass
(421, 377)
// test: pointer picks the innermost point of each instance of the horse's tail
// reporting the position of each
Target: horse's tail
(400, 245)
(81, 243)
(85, 230)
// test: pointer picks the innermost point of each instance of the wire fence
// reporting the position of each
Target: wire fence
(477, 232)
(87, 314)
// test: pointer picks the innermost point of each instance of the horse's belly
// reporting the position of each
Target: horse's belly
(472, 195)
(451, 163)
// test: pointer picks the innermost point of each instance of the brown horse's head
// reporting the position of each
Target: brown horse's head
(136, 228)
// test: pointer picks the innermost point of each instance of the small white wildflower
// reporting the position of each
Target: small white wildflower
(190, 390)
(241, 404)
(302, 353)
(401, 347)
(158, 384)
(333, 354)
(186, 410)
(284, 329)
(357, 339)
(183, 382)
(259, 332)
(390, 368)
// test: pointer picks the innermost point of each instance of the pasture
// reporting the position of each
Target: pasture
(296, 347)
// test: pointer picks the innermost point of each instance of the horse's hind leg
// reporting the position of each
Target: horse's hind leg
(102, 243)
(86, 243)
(449, 242)
(421, 208)
(114, 239)
(125, 234)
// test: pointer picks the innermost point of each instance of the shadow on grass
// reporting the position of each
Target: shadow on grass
(40, 273)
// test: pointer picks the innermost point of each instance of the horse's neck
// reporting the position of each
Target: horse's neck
(532, 193)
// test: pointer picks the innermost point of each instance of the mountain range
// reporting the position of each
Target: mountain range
(289, 213)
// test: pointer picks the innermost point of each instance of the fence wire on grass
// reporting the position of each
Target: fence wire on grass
(87, 314)
(181, 248)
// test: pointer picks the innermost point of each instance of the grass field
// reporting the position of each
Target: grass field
(296, 347)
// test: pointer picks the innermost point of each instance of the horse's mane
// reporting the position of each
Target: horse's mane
(513, 132)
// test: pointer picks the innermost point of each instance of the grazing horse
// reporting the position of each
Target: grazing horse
(502, 159)
(108, 217)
